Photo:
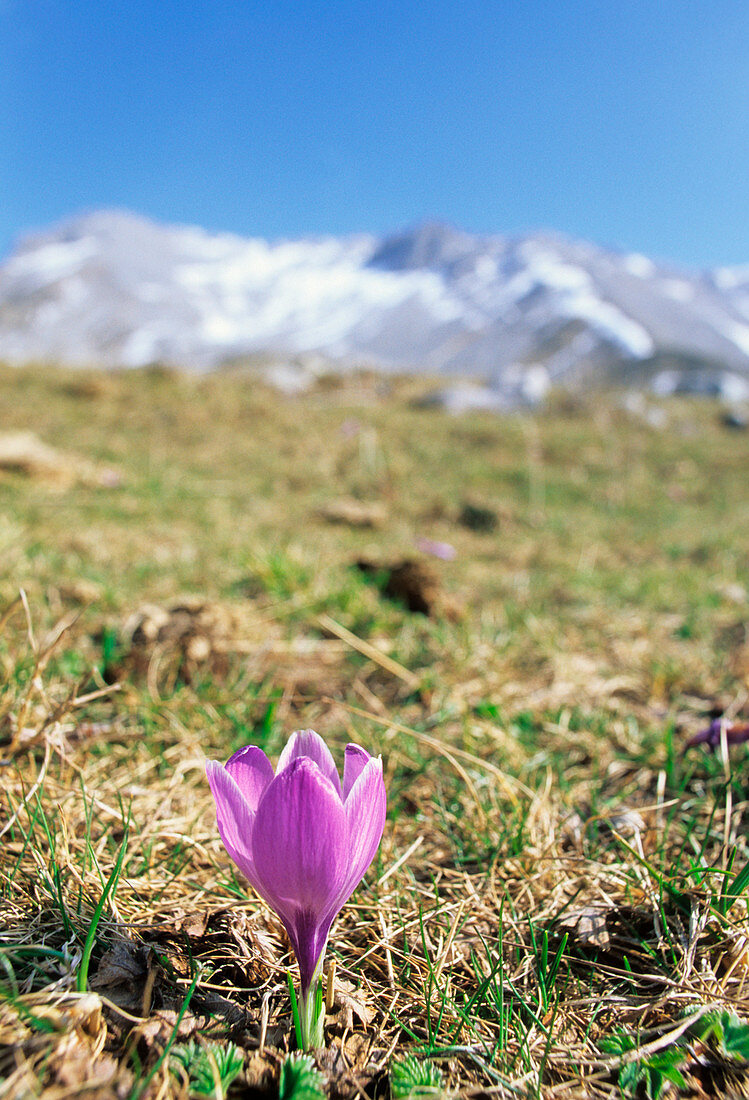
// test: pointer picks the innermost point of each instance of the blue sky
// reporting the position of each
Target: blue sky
(625, 123)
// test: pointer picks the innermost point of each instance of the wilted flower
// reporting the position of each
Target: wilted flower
(735, 732)
(303, 840)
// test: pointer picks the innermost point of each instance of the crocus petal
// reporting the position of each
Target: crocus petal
(354, 762)
(300, 837)
(365, 809)
(307, 743)
(252, 771)
(300, 847)
(235, 820)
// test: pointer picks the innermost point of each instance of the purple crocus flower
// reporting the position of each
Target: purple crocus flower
(302, 840)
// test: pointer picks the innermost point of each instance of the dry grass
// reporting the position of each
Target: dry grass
(559, 892)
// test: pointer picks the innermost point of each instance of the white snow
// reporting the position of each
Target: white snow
(734, 388)
(737, 334)
(546, 268)
(578, 299)
(485, 268)
(678, 289)
(728, 278)
(536, 383)
(611, 323)
(637, 264)
(52, 261)
(665, 383)
(140, 348)
(310, 294)
(529, 382)
(727, 385)
(464, 397)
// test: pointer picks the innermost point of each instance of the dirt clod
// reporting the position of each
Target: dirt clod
(413, 583)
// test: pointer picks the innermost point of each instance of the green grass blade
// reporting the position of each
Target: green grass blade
(88, 946)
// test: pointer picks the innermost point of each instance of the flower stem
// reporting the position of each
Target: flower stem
(312, 1017)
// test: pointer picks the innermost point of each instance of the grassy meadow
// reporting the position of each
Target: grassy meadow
(559, 904)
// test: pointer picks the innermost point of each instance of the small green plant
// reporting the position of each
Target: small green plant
(300, 1080)
(733, 887)
(547, 967)
(726, 1032)
(649, 1076)
(411, 1078)
(646, 1076)
(210, 1069)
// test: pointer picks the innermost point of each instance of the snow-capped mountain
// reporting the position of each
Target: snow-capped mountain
(116, 289)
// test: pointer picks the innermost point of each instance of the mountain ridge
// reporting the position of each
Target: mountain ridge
(114, 288)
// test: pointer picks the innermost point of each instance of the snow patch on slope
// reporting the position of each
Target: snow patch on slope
(611, 323)
(578, 300)
(52, 261)
(639, 266)
(311, 294)
(739, 335)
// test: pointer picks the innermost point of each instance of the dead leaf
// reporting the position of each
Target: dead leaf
(158, 1029)
(348, 1007)
(75, 1065)
(588, 926)
(124, 975)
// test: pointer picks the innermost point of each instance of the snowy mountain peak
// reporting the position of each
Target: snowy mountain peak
(112, 287)
(432, 245)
